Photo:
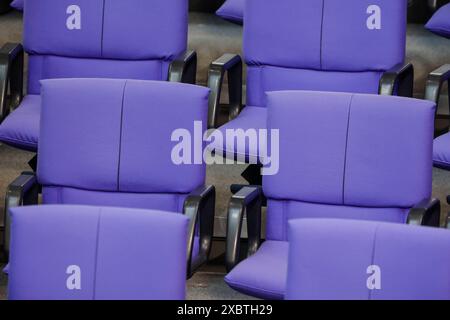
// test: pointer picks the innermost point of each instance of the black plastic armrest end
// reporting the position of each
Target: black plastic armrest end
(184, 68)
(426, 213)
(399, 80)
(21, 192)
(245, 202)
(11, 76)
(199, 206)
(11, 50)
(231, 63)
(435, 81)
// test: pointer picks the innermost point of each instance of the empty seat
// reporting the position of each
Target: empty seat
(356, 46)
(89, 39)
(342, 156)
(110, 145)
(440, 24)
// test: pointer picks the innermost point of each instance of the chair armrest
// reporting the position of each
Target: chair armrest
(246, 201)
(400, 78)
(435, 82)
(11, 76)
(184, 68)
(232, 64)
(426, 213)
(199, 207)
(447, 215)
(21, 192)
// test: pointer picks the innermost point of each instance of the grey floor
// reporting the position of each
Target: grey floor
(208, 283)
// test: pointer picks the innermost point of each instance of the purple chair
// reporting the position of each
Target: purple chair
(357, 46)
(434, 87)
(361, 260)
(346, 156)
(107, 142)
(440, 24)
(95, 253)
(132, 39)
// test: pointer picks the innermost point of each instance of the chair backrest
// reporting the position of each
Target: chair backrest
(133, 39)
(110, 142)
(347, 155)
(324, 45)
(361, 260)
(85, 253)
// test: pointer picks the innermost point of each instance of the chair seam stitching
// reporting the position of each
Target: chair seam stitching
(372, 260)
(321, 32)
(346, 149)
(94, 289)
(120, 136)
(285, 221)
(103, 28)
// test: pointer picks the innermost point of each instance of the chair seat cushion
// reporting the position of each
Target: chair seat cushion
(232, 10)
(262, 275)
(441, 151)
(249, 118)
(440, 22)
(21, 128)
